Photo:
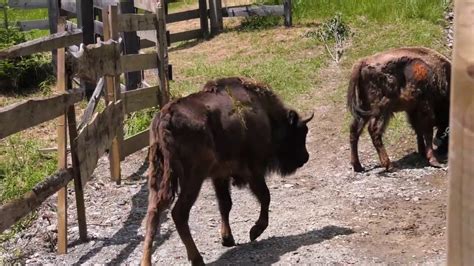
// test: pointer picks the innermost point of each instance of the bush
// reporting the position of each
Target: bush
(21, 74)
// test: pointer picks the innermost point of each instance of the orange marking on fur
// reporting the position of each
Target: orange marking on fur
(419, 71)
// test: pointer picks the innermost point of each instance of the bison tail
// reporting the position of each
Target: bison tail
(161, 172)
(353, 93)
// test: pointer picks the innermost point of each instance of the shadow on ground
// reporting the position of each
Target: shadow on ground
(128, 234)
(270, 250)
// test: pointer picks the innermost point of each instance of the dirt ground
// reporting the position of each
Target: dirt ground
(323, 214)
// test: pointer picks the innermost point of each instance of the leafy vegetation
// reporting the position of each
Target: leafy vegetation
(21, 74)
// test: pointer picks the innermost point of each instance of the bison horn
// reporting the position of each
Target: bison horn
(306, 120)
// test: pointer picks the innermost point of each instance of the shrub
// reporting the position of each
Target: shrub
(21, 74)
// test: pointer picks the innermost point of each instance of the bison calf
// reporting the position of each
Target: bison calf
(415, 80)
(233, 130)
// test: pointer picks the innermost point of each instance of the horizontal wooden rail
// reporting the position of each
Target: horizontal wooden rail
(70, 5)
(136, 22)
(139, 99)
(44, 44)
(135, 143)
(29, 113)
(28, 4)
(40, 24)
(136, 62)
(96, 137)
(253, 10)
(148, 5)
(185, 36)
(181, 16)
(14, 210)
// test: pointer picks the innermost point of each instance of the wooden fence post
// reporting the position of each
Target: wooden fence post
(62, 146)
(215, 14)
(110, 15)
(85, 22)
(131, 45)
(287, 9)
(461, 150)
(203, 18)
(162, 51)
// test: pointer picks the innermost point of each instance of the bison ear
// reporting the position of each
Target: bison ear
(293, 118)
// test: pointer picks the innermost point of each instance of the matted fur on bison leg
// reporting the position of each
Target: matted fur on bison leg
(415, 80)
(234, 130)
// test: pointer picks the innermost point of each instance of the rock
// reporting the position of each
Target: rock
(288, 185)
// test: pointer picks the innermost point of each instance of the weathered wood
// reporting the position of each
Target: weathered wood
(144, 43)
(62, 143)
(78, 188)
(131, 44)
(85, 21)
(185, 36)
(184, 15)
(14, 210)
(114, 154)
(53, 17)
(96, 60)
(136, 22)
(252, 10)
(43, 44)
(35, 111)
(203, 18)
(96, 138)
(28, 4)
(287, 10)
(148, 5)
(131, 63)
(70, 5)
(162, 51)
(86, 117)
(135, 143)
(140, 99)
(461, 140)
(40, 24)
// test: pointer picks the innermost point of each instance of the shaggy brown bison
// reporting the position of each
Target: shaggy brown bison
(415, 80)
(233, 130)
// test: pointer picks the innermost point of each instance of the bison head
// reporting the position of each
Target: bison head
(291, 147)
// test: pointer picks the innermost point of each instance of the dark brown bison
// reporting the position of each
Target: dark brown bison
(415, 80)
(233, 130)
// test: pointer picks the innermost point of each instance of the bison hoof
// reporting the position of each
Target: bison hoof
(198, 261)
(358, 168)
(435, 163)
(228, 241)
(256, 231)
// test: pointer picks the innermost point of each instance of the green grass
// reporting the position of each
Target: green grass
(14, 15)
(22, 166)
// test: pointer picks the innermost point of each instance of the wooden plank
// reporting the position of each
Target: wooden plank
(13, 211)
(35, 111)
(86, 117)
(53, 17)
(248, 11)
(140, 99)
(137, 62)
(136, 22)
(70, 5)
(183, 15)
(114, 154)
(203, 18)
(461, 140)
(162, 51)
(28, 4)
(148, 5)
(85, 21)
(215, 15)
(135, 143)
(96, 138)
(287, 10)
(131, 46)
(144, 43)
(78, 188)
(44, 44)
(40, 24)
(62, 144)
(185, 36)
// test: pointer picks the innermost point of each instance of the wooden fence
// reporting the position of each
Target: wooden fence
(97, 131)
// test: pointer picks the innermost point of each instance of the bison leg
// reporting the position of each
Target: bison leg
(187, 197)
(260, 189)
(420, 140)
(424, 123)
(376, 129)
(356, 129)
(429, 147)
(221, 186)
